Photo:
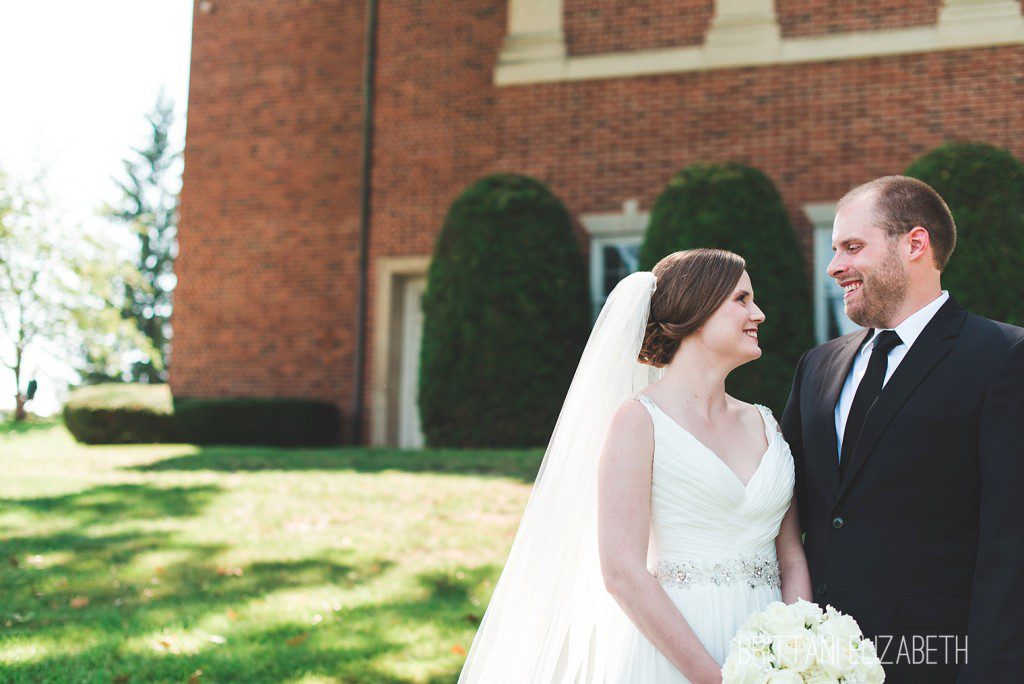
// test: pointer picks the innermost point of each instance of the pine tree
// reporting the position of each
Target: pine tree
(149, 206)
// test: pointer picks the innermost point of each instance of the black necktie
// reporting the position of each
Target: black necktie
(867, 392)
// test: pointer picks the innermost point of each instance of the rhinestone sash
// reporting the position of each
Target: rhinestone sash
(762, 570)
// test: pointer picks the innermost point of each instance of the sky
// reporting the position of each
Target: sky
(76, 81)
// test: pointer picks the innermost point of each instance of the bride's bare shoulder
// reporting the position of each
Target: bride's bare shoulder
(631, 422)
(752, 415)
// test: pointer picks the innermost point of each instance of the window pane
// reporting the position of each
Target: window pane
(617, 261)
(834, 323)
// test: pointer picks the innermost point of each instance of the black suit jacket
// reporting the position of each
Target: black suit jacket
(923, 540)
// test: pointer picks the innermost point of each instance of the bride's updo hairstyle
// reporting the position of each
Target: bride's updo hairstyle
(691, 285)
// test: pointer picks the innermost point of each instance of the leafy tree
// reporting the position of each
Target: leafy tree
(149, 206)
(60, 287)
(736, 207)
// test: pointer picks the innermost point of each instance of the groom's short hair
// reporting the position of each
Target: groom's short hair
(902, 203)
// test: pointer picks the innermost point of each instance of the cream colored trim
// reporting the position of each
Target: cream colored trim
(534, 32)
(821, 215)
(390, 270)
(631, 221)
(963, 25)
(740, 23)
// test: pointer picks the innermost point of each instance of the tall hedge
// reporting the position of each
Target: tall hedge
(736, 207)
(984, 188)
(506, 316)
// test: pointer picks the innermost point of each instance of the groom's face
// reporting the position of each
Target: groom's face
(867, 265)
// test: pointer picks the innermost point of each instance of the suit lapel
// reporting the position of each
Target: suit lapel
(926, 352)
(835, 377)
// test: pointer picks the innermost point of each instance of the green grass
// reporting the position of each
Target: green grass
(174, 563)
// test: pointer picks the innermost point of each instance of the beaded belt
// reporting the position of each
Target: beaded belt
(756, 571)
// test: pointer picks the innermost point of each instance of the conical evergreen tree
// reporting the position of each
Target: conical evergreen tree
(506, 316)
(984, 189)
(149, 205)
(736, 207)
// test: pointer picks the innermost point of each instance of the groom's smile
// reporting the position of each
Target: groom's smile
(849, 287)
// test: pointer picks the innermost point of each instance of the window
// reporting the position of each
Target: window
(830, 320)
(612, 260)
(614, 249)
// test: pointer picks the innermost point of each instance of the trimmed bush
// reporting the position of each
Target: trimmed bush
(984, 188)
(736, 207)
(506, 316)
(120, 413)
(257, 422)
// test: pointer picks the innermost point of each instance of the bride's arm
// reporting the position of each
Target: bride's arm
(796, 578)
(624, 523)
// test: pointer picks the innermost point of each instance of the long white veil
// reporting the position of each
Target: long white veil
(550, 618)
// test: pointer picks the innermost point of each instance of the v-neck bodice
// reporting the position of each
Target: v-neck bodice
(700, 510)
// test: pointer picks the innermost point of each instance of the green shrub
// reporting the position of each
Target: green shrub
(736, 207)
(257, 421)
(984, 188)
(120, 413)
(506, 316)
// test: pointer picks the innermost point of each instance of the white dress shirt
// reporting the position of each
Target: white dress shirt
(909, 330)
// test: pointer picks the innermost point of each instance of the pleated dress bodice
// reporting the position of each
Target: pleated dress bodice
(712, 543)
(700, 510)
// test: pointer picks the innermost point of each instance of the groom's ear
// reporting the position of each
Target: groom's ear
(920, 243)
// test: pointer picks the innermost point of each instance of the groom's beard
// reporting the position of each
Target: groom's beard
(881, 294)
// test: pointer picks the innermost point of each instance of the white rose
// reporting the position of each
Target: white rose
(781, 619)
(743, 668)
(811, 613)
(755, 623)
(838, 625)
(816, 675)
(835, 655)
(796, 652)
(784, 677)
(866, 667)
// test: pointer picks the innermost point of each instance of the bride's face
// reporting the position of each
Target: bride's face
(731, 331)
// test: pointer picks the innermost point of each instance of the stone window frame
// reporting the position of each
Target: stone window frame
(625, 228)
(821, 216)
(743, 33)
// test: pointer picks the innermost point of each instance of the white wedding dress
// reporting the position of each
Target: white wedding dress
(551, 619)
(712, 541)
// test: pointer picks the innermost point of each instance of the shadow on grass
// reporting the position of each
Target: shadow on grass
(105, 503)
(368, 642)
(518, 464)
(88, 586)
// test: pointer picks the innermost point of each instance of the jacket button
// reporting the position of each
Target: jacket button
(821, 587)
(837, 522)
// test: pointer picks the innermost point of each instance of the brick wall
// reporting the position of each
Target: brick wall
(265, 303)
(269, 215)
(817, 17)
(599, 26)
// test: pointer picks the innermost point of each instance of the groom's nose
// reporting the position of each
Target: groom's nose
(836, 266)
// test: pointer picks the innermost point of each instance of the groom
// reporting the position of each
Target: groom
(908, 439)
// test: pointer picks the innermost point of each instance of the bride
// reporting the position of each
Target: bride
(663, 511)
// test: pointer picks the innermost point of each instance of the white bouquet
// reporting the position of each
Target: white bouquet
(800, 642)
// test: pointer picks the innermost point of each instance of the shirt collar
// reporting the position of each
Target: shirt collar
(910, 329)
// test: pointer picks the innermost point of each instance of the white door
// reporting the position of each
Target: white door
(410, 436)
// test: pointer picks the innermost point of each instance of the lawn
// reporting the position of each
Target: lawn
(175, 563)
